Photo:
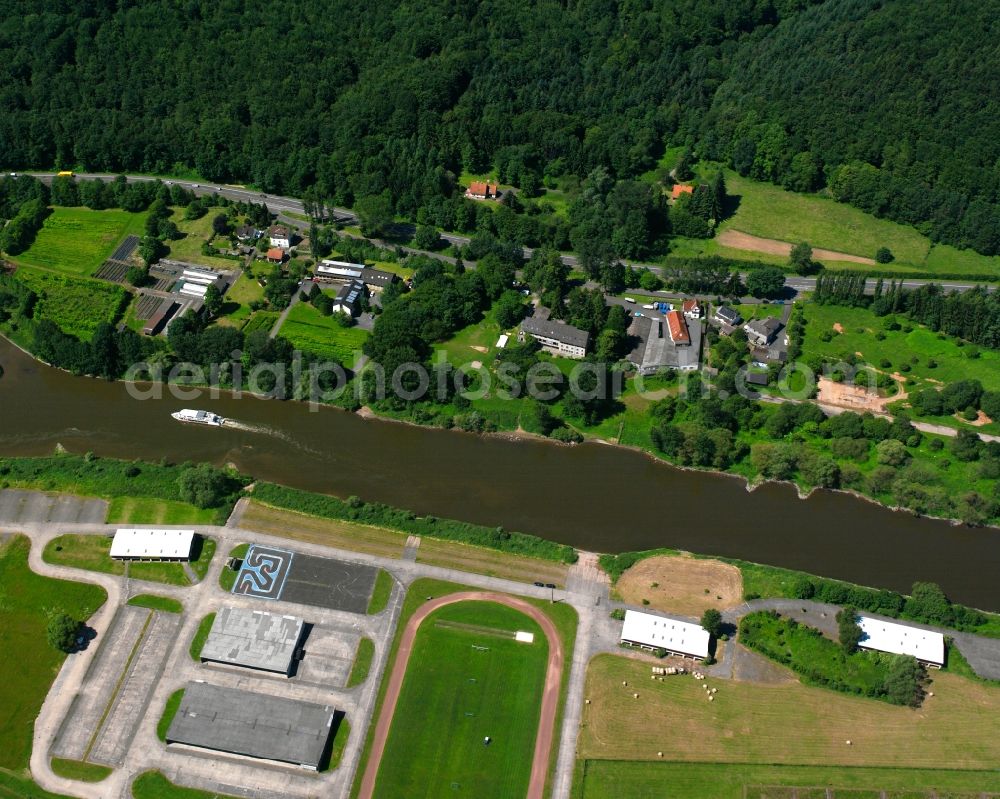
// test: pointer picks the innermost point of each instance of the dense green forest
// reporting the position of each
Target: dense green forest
(891, 105)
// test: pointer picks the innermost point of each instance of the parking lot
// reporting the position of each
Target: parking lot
(37, 507)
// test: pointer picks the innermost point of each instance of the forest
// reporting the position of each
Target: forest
(387, 108)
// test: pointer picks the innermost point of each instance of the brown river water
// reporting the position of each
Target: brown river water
(593, 496)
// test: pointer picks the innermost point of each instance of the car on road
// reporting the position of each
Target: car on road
(195, 185)
(629, 300)
(13, 174)
(539, 585)
(169, 182)
(550, 585)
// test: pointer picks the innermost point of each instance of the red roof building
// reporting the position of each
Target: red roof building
(276, 255)
(481, 190)
(691, 308)
(678, 328)
(680, 188)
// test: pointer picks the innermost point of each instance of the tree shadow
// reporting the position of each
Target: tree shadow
(730, 206)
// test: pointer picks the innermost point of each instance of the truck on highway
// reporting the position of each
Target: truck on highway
(65, 173)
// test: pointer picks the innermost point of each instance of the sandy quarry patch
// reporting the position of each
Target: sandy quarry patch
(856, 398)
(739, 240)
(979, 422)
(681, 584)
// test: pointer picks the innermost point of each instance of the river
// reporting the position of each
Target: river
(592, 496)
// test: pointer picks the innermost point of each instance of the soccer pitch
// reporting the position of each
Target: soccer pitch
(467, 679)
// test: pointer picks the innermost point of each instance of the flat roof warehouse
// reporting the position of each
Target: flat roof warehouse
(254, 639)
(252, 725)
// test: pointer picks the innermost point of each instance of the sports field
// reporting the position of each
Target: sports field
(467, 679)
(311, 331)
(76, 241)
(785, 724)
(912, 352)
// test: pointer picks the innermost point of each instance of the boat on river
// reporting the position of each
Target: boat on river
(199, 417)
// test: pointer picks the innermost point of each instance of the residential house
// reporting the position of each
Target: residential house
(349, 298)
(247, 233)
(680, 188)
(558, 337)
(280, 236)
(692, 309)
(727, 317)
(275, 255)
(761, 332)
(482, 190)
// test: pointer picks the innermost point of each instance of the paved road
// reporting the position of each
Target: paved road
(277, 203)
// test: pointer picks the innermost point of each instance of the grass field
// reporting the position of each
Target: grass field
(362, 662)
(143, 510)
(380, 593)
(77, 305)
(615, 779)
(915, 348)
(340, 738)
(28, 665)
(17, 785)
(153, 602)
(200, 637)
(260, 320)
(92, 552)
(76, 241)
(772, 212)
(465, 557)
(473, 343)
(311, 331)
(315, 530)
(454, 695)
(787, 723)
(79, 770)
(170, 709)
(153, 785)
(197, 232)
(236, 309)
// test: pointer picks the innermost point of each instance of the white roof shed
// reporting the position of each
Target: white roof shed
(659, 632)
(153, 544)
(926, 646)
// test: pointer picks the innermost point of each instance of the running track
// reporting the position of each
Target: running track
(550, 694)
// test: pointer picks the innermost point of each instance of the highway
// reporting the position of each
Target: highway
(277, 203)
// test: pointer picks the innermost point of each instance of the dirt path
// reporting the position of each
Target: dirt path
(739, 240)
(550, 693)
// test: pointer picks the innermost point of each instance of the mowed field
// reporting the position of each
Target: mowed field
(144, 510)
(27, 663)
(773, 212)
(918, 347)
(680, 584)
(76, 241)
(786, 724)
(467, 678)
(310, 331)
(615, 779)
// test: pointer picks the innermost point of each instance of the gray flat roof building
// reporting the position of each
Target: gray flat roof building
(254, 639)
(557, 336)
(253, 725)
(656, 350)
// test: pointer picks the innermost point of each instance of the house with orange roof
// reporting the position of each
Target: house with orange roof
(680, 188)
(482, 190)
(678, 329)
(691, 309)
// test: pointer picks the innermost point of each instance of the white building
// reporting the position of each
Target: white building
(279, 236)
(557, 337)
(131, 544)
(926, 646)
(658, 632)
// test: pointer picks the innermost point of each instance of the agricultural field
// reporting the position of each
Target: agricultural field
(76, 305)
(92, 552)
(769, 211)
(28, 665)
(309, 330)
(617, 779)
(76, 241)
(455, 694)
(916, 348)
(785, 723)
(260, 320)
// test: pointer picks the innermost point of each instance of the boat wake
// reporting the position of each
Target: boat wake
(272, 432)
